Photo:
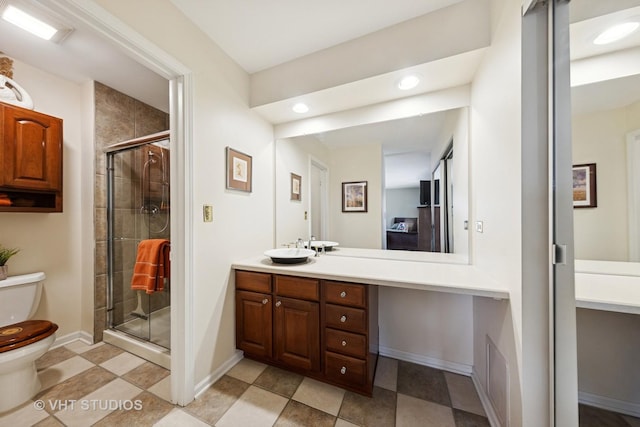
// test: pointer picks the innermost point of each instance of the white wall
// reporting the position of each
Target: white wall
(51, 242)
(495, 176)
(602, 233)
(243, 222)
(292, 156)
(349, 164)
(401, 202)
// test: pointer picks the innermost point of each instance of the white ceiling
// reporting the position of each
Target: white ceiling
(261, 34)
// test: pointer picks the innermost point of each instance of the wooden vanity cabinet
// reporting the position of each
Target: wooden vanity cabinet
(30, 160)
(323, 329)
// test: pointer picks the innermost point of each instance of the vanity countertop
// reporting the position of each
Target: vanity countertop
(432, 276)
(609, 292)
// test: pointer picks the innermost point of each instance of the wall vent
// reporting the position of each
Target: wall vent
(498, 383)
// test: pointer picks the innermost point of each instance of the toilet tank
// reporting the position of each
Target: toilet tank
(20, 297)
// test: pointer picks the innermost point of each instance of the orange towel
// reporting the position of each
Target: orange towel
(152, 265)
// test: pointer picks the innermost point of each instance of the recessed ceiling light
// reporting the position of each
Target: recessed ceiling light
(29, 23)
(616, 33)
(300, 108)
(408, 82)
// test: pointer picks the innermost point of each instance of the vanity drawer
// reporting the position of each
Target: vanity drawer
(346, 343)
(297, 287)
(345, 294)
(345, 369)
(255, 282)
(346, 318)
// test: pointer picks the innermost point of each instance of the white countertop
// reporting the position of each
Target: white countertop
(432, 276)
(609, 292)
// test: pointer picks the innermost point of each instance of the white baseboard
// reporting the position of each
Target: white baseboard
(83, 336)
(458, 368)
(484, 399)
(218, 373)
(615, 405)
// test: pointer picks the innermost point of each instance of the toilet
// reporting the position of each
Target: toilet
(22, 341)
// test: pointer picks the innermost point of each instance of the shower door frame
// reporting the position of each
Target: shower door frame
(109, 151)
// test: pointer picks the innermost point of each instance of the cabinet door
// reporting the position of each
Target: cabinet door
(254, 323)
(31, 146)
(297, 333)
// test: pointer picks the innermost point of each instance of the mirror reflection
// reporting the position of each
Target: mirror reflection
(415, 171)
(605, 82)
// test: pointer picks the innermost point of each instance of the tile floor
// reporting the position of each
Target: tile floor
(101, 385)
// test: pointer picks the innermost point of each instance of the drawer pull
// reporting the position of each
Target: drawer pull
(343, 370)
(344, 343)
(343, 294)
(343, 318)
(264, 301)
(278, 304)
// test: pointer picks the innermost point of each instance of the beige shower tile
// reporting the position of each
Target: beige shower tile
(324, 397)
(463, 394)
(387, 373)
(412, 411)
(256, 408)
(247, 370)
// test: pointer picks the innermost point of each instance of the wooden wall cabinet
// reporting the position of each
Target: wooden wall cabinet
(327, 330)
(30, 160)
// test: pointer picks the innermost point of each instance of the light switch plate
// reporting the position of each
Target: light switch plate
(479, 226)
(207, 213)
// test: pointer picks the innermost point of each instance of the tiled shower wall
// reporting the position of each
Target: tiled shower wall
(118, 118)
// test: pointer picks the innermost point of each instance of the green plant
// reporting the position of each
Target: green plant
(6, 253)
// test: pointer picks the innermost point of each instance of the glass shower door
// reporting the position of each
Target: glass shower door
(137, 210)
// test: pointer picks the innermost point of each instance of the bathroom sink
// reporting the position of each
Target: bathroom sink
(328, 245)
(289, 255)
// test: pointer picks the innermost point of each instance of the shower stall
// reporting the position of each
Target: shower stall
(138, 211)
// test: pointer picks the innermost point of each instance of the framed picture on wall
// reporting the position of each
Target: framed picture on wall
(296, 187)
(584, 186)
(354, 196)
(238, 170)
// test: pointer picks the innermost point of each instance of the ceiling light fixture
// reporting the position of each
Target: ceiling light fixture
(408, 82)
(615, 33)
(29, 23)
(300, 108)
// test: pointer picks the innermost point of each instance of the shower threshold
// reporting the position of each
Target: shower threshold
(144, 349)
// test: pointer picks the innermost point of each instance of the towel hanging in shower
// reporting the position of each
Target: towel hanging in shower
(152, 265)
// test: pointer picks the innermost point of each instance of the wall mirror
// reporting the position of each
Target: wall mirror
(605, 80)
(409, 211)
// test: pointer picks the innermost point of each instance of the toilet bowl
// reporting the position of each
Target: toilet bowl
(22, 341)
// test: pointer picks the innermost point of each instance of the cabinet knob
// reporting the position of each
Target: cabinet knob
(264, 301)
(342, 319)
(344, 343)
(343, 370)
(278, 304)
(343, 294)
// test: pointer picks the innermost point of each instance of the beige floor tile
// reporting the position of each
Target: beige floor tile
(179, 418)
(342, 423)
(27, 414)
(279, 381)
(102, 353)
(75, 387)
(297, 414)
(319, 395)
(152, 410)
(247, 370)
(51, 421)
(211, 405)
(63, 371)
(463, 394)
(97, 405)
(412, 412)
(122, 363)
(53, 357)
(82, 347)
(255, 408)
(387, 374)
(146, 375)
(379, 410)
(162, 389)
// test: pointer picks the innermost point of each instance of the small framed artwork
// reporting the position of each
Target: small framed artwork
(584, 186)
(354, 196)
(238, 170)
(296, 187)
